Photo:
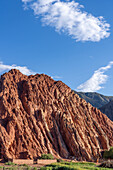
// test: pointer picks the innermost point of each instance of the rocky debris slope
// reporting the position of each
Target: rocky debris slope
(39, 115)
(108, 110)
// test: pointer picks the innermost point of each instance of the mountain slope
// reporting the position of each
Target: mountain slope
(95, 99)
(108, 110)
(39, 115)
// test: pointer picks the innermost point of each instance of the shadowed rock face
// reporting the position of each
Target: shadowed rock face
(39, 115)
(108, 110)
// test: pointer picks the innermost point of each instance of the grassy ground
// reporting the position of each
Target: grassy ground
(55, 166)
(73, 166)
(17, 167)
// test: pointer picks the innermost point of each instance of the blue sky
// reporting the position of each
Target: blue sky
(70, 54)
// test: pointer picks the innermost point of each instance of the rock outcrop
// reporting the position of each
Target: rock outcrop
(39, 115)
(108, 110)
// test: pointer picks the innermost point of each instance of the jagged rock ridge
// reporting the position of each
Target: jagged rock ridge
(39, 115)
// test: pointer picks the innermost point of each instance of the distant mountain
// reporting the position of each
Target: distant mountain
(95, 99)
(108, 109)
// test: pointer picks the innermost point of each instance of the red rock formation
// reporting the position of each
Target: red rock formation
(39, 115)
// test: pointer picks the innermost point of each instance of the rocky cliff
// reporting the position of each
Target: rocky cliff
(108, 110)
(39, 115)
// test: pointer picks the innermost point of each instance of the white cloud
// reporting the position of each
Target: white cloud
(56, 77)
(97, 79)
(24, 69)
(68, 16)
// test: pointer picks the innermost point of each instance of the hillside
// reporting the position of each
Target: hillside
(108, 110)
(39, 115)
(95, 99)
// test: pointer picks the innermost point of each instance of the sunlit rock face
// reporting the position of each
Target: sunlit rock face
(39, 115)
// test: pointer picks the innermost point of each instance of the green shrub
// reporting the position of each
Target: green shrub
(10, 163)
(24, 165)
(108, 154)
(35, 168)
(10, 168)
(46, 168)
(28, 168)
(106, 164)
(47, 156)
(60, 160)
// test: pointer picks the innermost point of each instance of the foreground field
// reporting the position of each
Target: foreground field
(73, 166)
(19, 167)
(56, 166)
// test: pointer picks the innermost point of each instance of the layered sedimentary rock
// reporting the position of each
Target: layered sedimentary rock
(39, 115)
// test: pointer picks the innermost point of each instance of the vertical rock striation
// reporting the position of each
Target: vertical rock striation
(39, 115)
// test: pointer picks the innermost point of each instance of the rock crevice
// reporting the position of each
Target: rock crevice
(39, 115)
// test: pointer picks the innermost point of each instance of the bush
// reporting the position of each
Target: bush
(60, 160)
(108, 154)
(47, 156)
(107, 164)
(46, 168)
(10, 163)
(24, 165)
(35, 168)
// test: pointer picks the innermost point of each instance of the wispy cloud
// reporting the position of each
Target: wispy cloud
(96, 81)
(56, 77)
(68, 17)
(24, 69)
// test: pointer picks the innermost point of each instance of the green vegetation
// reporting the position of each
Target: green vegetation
(12, 166)
(18, 168)
(10, 163)
(64, 166)
(73, 166)
(60, 160)
(47, 156)
(108, 154)
(24, 165)
(107, 164)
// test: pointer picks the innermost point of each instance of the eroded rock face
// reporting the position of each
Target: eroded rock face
(39, 115)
